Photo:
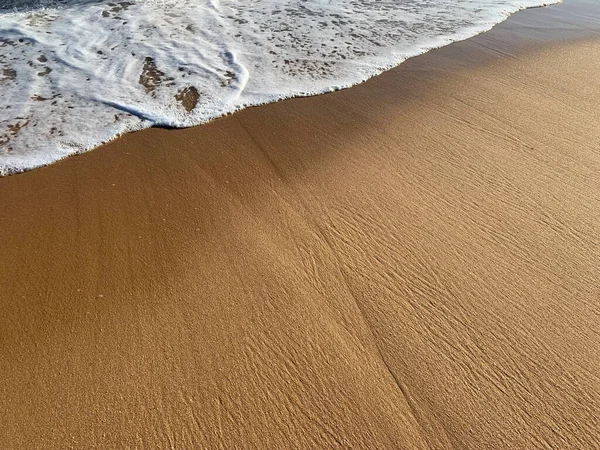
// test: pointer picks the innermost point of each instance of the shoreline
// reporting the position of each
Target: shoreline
(8, 170)
(409, 263)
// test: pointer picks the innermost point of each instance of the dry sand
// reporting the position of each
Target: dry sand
(410, 263)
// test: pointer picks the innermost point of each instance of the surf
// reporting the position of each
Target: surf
(77, 73)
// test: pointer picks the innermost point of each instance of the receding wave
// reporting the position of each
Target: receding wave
(77, 73)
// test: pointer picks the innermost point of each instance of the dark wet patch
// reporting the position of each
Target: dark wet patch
(115, 8)
(56, 132)
(4, 42)
(9, 74)
(229, 77)
(150, 77)
(188, 97)
(39, 19)
(13, 130)
(45, 72)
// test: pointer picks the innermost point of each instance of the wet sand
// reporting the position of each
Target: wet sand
(410, 263)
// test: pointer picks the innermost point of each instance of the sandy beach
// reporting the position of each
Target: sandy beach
(410, 263)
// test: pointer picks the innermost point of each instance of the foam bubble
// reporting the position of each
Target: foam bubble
(77, 73)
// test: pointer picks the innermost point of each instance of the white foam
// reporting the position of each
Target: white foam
(70, 70)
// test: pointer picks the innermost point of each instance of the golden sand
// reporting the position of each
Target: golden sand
(410, 263)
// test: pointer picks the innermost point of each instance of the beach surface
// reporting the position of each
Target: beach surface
(409, 263)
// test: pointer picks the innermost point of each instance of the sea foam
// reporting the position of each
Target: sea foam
(77, 73)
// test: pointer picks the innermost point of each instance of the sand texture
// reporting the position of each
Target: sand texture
(410, 263)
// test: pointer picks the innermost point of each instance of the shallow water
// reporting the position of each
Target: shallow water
(77, 73)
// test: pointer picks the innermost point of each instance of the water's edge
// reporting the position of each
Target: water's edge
(230, 73)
